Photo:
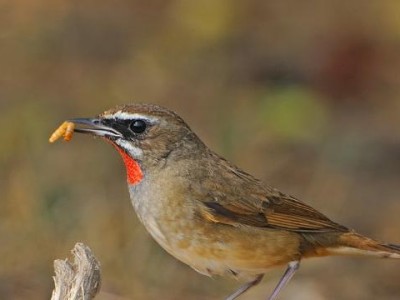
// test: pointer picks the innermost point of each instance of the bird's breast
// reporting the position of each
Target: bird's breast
(169, 215)
(163, 212)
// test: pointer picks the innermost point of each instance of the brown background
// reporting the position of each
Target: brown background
(303, 95)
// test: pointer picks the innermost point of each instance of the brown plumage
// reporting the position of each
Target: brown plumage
(208, 213)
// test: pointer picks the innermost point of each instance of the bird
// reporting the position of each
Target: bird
(210, 214)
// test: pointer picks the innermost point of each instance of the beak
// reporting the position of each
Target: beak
(95, 127)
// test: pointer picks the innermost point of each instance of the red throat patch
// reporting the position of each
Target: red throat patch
(133, 172)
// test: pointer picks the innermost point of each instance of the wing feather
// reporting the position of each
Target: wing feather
(236, 198)
(288, 213)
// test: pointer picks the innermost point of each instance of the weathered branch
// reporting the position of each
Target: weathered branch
(79, 280)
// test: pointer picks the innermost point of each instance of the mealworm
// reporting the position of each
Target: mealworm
(65, 130)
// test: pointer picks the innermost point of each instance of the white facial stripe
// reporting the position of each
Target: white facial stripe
(134, 151)
(128, 116)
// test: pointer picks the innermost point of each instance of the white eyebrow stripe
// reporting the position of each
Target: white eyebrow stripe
(128, 116)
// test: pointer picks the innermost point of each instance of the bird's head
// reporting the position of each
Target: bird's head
(145, 135)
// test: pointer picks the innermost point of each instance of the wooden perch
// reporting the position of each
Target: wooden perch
(79, 280)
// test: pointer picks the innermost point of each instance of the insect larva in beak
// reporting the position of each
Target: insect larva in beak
(65, 130)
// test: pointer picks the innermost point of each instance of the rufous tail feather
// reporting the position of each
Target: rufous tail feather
(351, 243)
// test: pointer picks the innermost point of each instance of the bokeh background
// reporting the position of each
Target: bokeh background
(304, 95)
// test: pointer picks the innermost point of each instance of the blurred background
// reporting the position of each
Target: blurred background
(304, 95)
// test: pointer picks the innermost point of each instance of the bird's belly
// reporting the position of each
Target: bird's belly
(217, 249)
(208, 247)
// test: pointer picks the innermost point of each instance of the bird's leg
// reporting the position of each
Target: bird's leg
(293, 266)
(245, 287)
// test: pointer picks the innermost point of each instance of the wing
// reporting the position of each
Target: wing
(270, 210)
(236, 198)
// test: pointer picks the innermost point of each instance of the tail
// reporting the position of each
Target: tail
(351, 243)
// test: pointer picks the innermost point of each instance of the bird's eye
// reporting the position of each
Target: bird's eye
(138, 126)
